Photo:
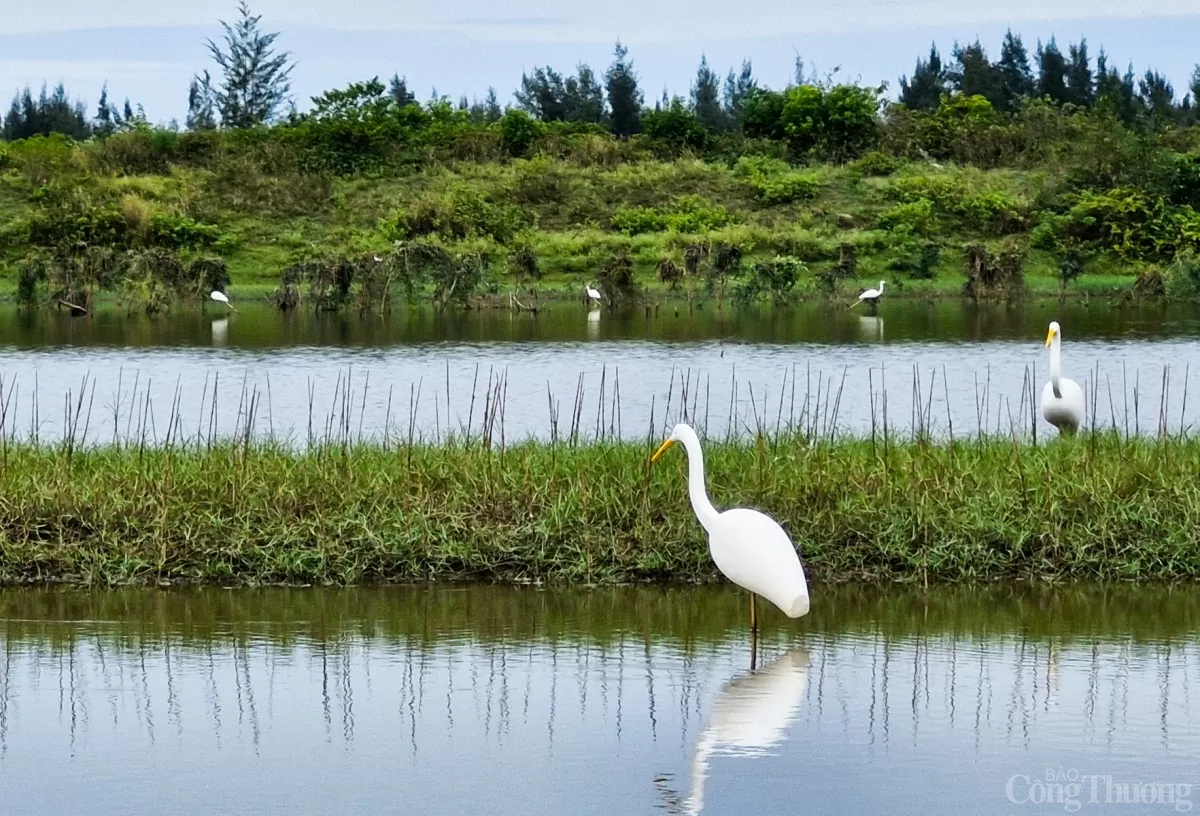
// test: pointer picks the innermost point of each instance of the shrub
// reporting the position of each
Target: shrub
(914, 218)
(1182, 278)
(777, 277)
(674, 129)
(457, 215)
(518, 132)
(688, 214)
(994, 273)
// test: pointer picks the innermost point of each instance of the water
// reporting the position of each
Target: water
(828, 369)
(488, 699)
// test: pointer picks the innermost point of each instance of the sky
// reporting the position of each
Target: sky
(148, 50)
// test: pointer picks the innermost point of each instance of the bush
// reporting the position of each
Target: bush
(1182, 278)
(914, 218)
(777, 277)
(518, 132)
(457, 215)
(674, 129)
(688, 214)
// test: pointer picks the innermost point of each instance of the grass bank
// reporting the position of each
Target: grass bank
(1100, 507)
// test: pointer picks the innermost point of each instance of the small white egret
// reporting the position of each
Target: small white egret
(748, 547)
(871, 296)
(221, 297)
(378, 259)
(750, 716)
(1062, 398)
(593, 294)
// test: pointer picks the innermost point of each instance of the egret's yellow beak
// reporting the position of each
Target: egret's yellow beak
(1049, 337)
(661, 450)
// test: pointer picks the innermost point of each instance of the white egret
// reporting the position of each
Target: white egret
(221, 297)
(592, 294)
(871, 296)
(748, 547)
(750, 716)
(1062, 398)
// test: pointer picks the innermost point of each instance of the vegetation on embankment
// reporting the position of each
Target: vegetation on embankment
(984, 179)
(1096, 507)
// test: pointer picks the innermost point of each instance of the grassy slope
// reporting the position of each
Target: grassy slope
(271, 222)
(1085, 508)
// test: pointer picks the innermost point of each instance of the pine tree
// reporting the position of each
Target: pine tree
(1080, 84)
(1016, 76)
(584, 100)
(255, 81)
(201, 113)
(1194, 87)
(492, 106)
(1157, 96)
(737, 88)
(798, 77)
(543, 95)
(924, 91)
(973, 75)
(706, 98)
(1052, 73)
(624, 96)
(106, 117)
(400, 92)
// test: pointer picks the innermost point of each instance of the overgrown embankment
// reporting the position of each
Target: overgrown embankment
(364, 201)
(1091, 508)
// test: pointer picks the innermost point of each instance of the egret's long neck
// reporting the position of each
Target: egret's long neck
(705, 512)
(1056, 366)
(881, 287)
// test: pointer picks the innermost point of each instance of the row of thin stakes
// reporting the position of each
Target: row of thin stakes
(812, 411)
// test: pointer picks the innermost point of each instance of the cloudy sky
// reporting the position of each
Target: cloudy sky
(148, 49)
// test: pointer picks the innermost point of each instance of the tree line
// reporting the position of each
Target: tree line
(252, 85)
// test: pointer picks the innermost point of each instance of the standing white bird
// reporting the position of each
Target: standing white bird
(592, 293)
(748, 547)
(871, 296)
(221, 297)
(1062, 398)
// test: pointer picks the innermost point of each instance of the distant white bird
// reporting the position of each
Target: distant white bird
(378, 259)
(1062, 398)
(750, 717)
(592, 293)
(748, 547)
(870, 296)
(221, 297)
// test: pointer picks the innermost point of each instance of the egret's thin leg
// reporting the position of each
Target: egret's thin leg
(753, 631)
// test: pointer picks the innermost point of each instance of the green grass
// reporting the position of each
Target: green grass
(1090, 508)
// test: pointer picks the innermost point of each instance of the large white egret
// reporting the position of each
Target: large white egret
(221, 297)
(1062, 398)
(750, 717)
(870, 296)
(592, 294)
(748, 547)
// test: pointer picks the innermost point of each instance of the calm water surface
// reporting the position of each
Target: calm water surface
(829, 369)
(500, 700)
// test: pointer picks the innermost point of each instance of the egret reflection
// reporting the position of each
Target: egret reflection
(220, 331)
(870, 328)
(750, 717)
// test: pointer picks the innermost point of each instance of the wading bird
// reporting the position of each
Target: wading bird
(592, 294)
(221, 297)
(1062, 398)
(748, 547)
(870, 296)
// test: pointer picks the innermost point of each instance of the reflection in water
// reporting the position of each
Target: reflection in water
(593, 324)
(750, 715)
(870, 328)
(220, 331)
(470, 700)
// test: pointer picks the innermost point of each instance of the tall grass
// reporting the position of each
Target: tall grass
(187, 501)
(256, 512)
